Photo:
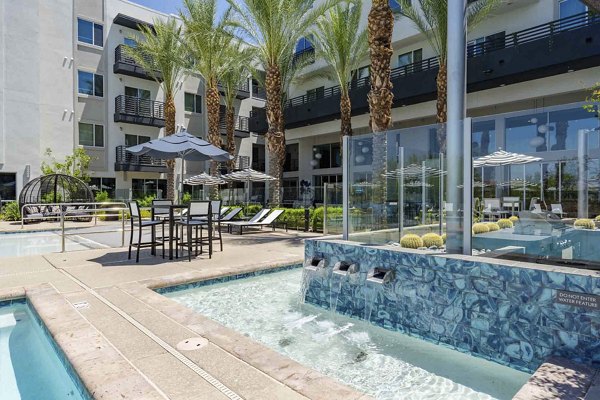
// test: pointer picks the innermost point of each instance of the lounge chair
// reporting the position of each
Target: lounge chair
(231, 214)
(270, 219)
(558, 210)
(224, 210)
(255, 218)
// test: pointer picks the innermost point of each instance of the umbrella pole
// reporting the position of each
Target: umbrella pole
(181, 191)
(524, 189)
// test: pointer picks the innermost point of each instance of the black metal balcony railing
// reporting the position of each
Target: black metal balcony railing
(127, 65)
(240, 124)
(239, 162)
(544, 50)
(139, 111)
(259, 92)
(243, 91)
(125, 161)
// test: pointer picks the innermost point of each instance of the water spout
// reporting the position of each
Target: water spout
(345, 268)
(381, 276)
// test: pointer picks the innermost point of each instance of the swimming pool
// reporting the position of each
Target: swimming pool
(32, 243)
(30, 367)
(387, 365)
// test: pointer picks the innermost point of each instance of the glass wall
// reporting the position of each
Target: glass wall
(539, 202)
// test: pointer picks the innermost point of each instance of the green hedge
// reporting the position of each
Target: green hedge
(11, 212)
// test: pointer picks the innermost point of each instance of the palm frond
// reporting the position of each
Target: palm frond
(477, 11)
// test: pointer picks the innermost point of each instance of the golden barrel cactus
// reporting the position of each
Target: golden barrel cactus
(432, 239)
(492, 226)
(480, 227)
(411, 241)
(505, 223)
(584, 223)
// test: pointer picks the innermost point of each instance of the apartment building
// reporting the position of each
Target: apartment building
(539, 55)
(66, 82)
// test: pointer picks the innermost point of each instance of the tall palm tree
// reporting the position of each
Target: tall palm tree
(238, 60)
(208, 41)
(430, 18)
(594, 5)
(380, 28)
(274, 27)
(338, 39)
(160, 53)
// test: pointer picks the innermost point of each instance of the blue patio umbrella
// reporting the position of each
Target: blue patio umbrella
(181, 145)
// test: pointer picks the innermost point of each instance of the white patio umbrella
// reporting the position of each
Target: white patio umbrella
(502, 158)
(181, 145)
(247, 175)
(204, 179)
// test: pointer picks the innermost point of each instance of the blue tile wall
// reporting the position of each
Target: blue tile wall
(501, 313)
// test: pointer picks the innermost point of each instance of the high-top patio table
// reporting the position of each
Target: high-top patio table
(172, 209)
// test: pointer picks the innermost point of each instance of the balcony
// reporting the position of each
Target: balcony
(241, 128)
(126, 65)
(550, 49)
(125, 161)
(239, 162)
(258, 92)
(133, 110)
(243, 91)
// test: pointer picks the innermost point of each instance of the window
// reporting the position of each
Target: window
(89, 32)
(134, 140)
(303, 44)
(569, 8)
(130, 42)
(315, 94)
(395, 6)
(410, 57)
(291, 158)
(193, 102)
(484, 44)
(290, 189)
(91, 135)
(258, 157)
(90, 83)
(8, 186)
(144, 187)
(135, 92)
(483, 138)
(103, 185)
(326, 156)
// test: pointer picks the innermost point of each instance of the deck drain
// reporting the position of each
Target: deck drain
(81, 305)
(190, 344)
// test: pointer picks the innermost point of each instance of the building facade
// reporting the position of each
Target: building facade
(528, 55)
(66, 82)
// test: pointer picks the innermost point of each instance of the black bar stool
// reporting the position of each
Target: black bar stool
(199, 215)
(136, 220)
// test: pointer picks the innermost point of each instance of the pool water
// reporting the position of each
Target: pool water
(30, 368)
(32, 243)
(385, 364)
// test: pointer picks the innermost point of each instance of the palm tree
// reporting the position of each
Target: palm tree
(380, 28)
(160, 53)
(238, 60)
(430, 18)
(208, 41)
(338, 39)
(274, 27)
(594, 5)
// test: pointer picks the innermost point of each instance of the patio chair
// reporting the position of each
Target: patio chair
(558, 210)
(491, 208)
(199, 215)
(255, 218)
(161, 213)
(270, 219)
(136, 220)
(511, 204)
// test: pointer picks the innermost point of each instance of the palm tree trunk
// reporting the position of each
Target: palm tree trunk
(213, 103)
(441, 105)
(380, 28)
(169, 130)
(345, 115)
(230, 129)
(275, 134)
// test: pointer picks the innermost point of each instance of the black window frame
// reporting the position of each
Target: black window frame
(94, 134)
(196, 102)
(97, 31)
(97, 80)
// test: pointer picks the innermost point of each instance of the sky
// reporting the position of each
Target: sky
(171, 6)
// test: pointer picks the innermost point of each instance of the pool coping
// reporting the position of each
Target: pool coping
(302, 379)
(98, 367)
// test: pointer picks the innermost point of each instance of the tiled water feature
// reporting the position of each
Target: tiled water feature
(504, 311)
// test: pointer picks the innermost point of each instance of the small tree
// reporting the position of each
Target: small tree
(76, 164)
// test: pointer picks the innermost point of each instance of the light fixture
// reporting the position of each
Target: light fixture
(542, 128)
(360, 159)
(537, 141)
(318, 156)
(365, 150)
(533, 120)
(314, 163)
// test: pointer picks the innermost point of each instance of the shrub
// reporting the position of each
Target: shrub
(505, 223)
(513, 219)
(11, 212)
(316, 220)
(492, 226)
(411, 241)
(146, 201)
(480, 227)
(444, 237)
(432, 239)
(597, 218)
(584, 223)
(294, 217)
(102, 197)
(186, 198)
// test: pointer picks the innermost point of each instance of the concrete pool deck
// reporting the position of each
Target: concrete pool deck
(122, 338)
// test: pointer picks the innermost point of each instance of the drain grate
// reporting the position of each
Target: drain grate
(80, 305)
(190, 344)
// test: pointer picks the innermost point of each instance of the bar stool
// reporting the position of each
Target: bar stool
(199, 215)
(216, 219)
(160, 212)
(136, 220)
